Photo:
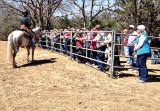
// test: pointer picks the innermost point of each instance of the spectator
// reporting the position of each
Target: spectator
(117, 49)
(142, 50)
(62, 41)
(79, 47)
(131, 42)
(43, 40)
(57, 39)
(155, 42)
(54, 40)
(126, 48)
(100, 39)
(52, 34)
(108, 41)
(116, 52)
(48, 40)
(93, 46)
(87, 44)
(57, 35)
(74, 45)
(67, 43)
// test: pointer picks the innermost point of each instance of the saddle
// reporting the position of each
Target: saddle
(28, 36)
(26, 33)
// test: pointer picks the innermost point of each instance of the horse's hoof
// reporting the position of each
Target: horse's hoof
(15, 66)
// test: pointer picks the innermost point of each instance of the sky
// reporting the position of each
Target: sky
(96, 8)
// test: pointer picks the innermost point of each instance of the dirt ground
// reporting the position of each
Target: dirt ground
(54, 83)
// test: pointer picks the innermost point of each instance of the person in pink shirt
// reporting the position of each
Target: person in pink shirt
(79, 49)
(126, 49)
(93, 46)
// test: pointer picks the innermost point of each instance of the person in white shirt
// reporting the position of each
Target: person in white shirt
(101, 46)
(108, 41)
(132, 37)
(131, 42)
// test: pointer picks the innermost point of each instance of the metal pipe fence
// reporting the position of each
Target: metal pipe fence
(59, 44)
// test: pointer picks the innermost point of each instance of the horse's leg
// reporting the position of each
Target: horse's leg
(28, 53)
(15, 51)
(33, 48)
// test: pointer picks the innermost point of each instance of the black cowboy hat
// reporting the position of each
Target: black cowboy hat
(26, 13)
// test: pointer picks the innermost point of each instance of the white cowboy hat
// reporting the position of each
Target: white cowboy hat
(131, 26)
(141, 27)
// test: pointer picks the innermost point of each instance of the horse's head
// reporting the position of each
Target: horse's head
(37, 31)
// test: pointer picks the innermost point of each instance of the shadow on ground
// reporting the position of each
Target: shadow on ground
(126, 75)
(153, 78)
(39, 62)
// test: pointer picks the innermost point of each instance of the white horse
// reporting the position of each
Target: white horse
(17, 39)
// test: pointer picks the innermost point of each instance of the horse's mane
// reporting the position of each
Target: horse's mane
(36, 29)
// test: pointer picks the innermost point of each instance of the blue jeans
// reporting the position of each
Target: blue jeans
(62, 49)
(100, 57)
(93, 55)
(80, 52)
(85, 51)
(131, 51)
(55, 47)
(67, 48)
(74, 51)
(126, 52)
(143, 72)
(154, 55)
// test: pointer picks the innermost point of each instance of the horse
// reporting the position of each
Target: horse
(17, 39)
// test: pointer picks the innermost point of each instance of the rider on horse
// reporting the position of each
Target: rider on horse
(25, 25)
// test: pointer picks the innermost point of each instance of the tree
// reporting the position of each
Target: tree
(8, 23)
(90, 9)
(41, 10)
(64, 23)
(137, 12)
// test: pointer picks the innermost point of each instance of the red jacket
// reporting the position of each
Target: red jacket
(126, 40)
(79, 42)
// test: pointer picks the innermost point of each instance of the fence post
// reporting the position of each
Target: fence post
(112, 53)
(60, 51)
(86, 50)
(71, 44)
(46, 39)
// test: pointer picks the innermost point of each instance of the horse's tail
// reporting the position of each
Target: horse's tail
(10, 48)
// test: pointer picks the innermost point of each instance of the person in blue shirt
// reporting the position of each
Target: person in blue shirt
(25, 24)
(142, 50)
